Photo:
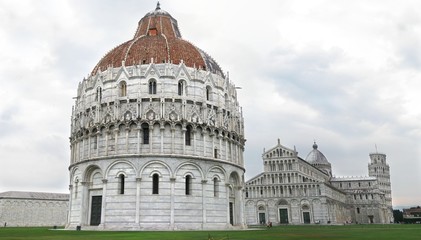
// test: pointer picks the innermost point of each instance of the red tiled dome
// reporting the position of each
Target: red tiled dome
(157, 37)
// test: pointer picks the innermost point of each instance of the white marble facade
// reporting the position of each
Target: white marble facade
(33, 209)
(157, 145)
(292, 190)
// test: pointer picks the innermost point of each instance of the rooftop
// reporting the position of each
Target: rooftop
(34, 195)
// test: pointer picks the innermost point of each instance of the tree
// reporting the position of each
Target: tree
(398, 215)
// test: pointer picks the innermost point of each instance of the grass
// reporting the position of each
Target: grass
(400, 232)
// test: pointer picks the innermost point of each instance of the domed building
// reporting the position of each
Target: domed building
(157, 137)
(292, 190)
(318, 160)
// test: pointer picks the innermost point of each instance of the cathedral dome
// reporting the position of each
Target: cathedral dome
(315, 156)
(158, 40)
(317, 159)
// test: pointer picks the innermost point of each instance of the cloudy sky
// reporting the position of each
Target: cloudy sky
(344, 73)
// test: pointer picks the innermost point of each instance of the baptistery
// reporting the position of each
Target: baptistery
(157, 138)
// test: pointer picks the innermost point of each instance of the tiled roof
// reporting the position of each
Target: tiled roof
(34, 195)
(344, 179)
(158, 37)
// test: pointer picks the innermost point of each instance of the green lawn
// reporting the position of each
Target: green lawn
(399, 232)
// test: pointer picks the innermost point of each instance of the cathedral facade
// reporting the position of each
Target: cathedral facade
(292, 190)
(157, 138)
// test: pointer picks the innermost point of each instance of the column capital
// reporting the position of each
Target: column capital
(138, 179)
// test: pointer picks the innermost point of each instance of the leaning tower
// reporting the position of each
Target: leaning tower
(157, 137)
(379, 168)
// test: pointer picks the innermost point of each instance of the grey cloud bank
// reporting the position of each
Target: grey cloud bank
(345, 74)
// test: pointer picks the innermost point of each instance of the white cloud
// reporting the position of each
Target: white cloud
(345, 73)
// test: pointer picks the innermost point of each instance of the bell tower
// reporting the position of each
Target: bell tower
(379, 168)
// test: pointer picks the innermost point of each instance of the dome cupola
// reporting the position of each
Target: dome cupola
(318, 159)
(158, 40)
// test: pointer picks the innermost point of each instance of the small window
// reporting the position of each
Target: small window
(155, 184)
(208, 93)
(123, 89)
(188, 135)
(145, 131)
(152, 87)
(215, 153)
(98, 96)
(216, 188)
(358, 210)
(188, 185)
(180, 88)
(95, 142)
(121, 183)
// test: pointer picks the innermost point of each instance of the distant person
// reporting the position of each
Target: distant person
(5, 224)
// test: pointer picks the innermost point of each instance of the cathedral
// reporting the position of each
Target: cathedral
(292, 190)
(157, 138)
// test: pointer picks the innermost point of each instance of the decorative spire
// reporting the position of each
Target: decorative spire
(158, 6)
(315, 145)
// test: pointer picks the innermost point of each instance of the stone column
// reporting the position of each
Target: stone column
(84, 205)
(69, 215)
(139, 130)
(103, 204)
(172, 139)
(151, 125)
(137, 218)
(162, 129)
(116, 131)
(194, 140)
(227, 190)
(106, 142)
(240, 194)
(89, 145)
(172, 195)
(204, 203)
(183, 131)
(127, 138)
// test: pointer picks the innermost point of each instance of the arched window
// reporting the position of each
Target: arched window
(123, 89)
(208, 93)
(121, 183)
(188, 185)
(98, 95)
(152, 87)
(188, 135)
(145, 131)
(215, 187)
(181, 88)
(95, 141)
(155, 183)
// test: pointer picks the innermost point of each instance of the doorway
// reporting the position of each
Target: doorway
(283, 215)
(231, 213)
(262, 218)
(96, 205)
(306, 217)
